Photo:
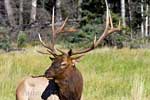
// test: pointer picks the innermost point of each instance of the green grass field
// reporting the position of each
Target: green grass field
(109, 74)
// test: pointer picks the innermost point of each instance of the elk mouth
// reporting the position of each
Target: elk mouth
(49, 74)
(50, 78)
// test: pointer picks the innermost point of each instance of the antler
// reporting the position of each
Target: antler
(51, 48)
(108, 30)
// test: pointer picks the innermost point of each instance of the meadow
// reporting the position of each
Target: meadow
(109, 74)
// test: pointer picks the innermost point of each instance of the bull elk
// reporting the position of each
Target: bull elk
(62, 77)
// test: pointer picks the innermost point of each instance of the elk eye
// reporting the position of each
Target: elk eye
(63, 63)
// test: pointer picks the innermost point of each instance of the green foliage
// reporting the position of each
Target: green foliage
(3, 29)
(84, 36)
(91, 10)
(5, 43)
(4, 39)
(140, 43)
(116, 39)
(21, 39)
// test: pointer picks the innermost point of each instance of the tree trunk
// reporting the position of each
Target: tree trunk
(58, 11)
(123, 12)
(142, 15)
(149, 25)
(33, 11)
(10, 13)
(130, 17)
(79, 9)
(146, 21)
(43, 4)
(20, 12)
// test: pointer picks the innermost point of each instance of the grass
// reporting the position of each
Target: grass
(109, 74)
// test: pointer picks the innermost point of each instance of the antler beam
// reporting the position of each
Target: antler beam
(108, 30)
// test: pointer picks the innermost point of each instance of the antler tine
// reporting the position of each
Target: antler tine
(108, 22)
(108, 30)
(94, 40)
(42, 52)
(62, 27)
(111, 22)
(61, 51)
(43, 42)
(49, 49)
(51, 52)
(53, 30)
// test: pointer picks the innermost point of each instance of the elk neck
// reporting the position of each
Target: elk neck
(71, 85)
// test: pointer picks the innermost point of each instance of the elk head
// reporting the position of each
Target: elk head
(63, 69)
(60, 64)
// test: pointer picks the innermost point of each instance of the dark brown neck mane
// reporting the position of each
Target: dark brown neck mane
(70, 87)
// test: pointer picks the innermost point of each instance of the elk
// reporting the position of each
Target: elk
(62, 74)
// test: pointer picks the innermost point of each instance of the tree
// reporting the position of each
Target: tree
(10, 12)
(130, 18)
(20, 12)
(142, 15)
(123, 13)
(146, 20)
(79, 9)
(33, 11)
(58, 11)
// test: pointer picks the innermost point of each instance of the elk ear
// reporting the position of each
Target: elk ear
(51, 58)
(70, 52)
(76, 59)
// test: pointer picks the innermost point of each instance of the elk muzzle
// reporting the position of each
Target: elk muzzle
(49, 74)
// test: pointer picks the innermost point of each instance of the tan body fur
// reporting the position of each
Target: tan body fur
(32, 89)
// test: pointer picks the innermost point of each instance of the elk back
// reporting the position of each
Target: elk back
(36, 89)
